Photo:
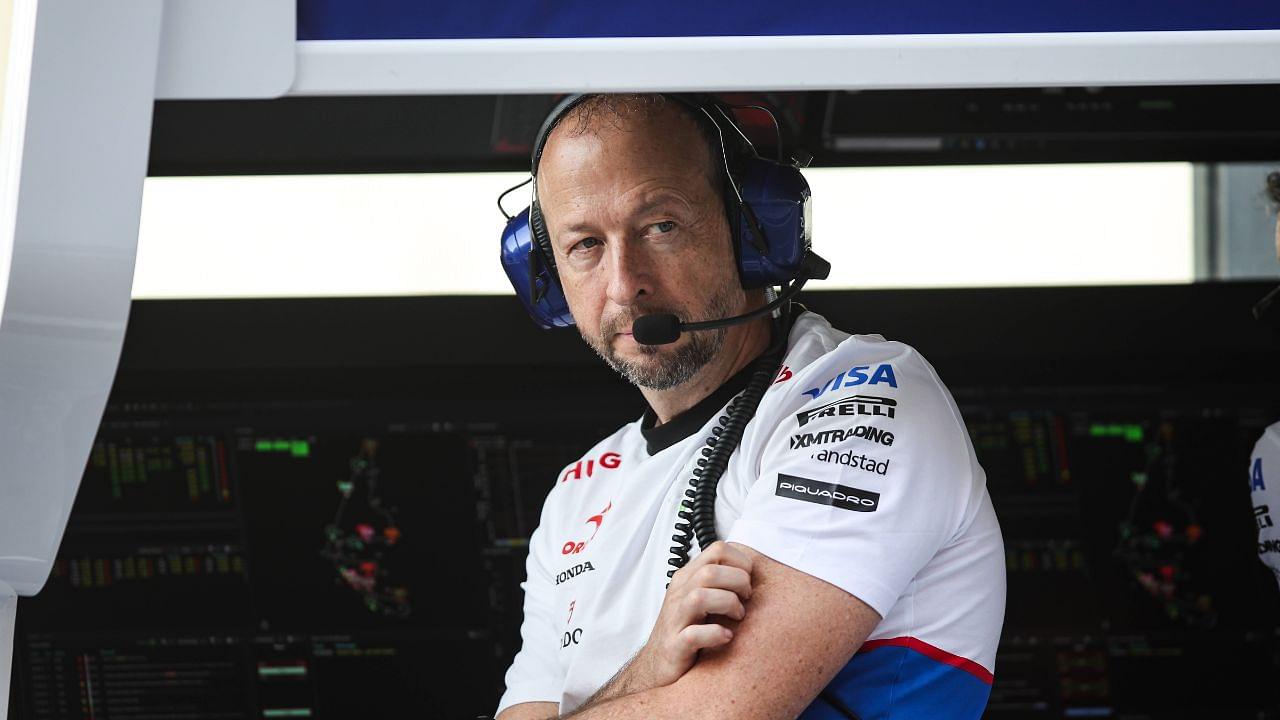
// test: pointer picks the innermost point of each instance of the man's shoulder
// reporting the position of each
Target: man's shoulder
(824, 363)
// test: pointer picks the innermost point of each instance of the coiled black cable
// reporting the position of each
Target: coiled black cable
(700, 518)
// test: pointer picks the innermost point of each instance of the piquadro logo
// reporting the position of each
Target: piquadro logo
(855, 376)
(823, 493)
(574, 547)
(586, 468)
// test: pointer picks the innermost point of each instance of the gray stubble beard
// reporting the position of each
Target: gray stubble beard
(686, 361)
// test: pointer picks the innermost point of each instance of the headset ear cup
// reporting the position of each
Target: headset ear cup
(536, 284)
(778, 200)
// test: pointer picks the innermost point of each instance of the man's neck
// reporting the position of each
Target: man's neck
(742, 344)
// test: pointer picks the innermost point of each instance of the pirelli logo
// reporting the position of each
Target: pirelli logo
(850, 406)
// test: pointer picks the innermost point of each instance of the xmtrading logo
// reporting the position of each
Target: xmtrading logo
(865, 432)
(856, 376)
(852, 405)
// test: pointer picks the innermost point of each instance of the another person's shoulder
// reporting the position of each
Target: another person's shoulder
(1264, 465)
(1264, 489)
(1269, 443)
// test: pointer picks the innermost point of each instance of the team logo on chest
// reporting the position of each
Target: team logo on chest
(587, 468)
(574, 571)
(573, 547)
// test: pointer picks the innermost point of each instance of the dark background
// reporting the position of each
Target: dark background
(1068, 393)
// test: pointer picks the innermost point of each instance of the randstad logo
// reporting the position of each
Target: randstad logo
(856, 376)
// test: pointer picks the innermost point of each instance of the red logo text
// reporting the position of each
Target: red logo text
(586, 468)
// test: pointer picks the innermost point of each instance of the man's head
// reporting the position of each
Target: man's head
(630, 189)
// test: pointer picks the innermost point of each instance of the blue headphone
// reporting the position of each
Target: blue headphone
(768, 205)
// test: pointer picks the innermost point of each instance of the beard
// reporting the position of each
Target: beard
(661, 367)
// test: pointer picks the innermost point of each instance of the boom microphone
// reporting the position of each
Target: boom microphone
(665, 329)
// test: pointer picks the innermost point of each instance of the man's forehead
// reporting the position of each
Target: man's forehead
(609, 157)
(665, 132)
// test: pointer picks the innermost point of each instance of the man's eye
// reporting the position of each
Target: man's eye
(665, 226)
(586, 244)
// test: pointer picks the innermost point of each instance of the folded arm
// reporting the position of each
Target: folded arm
(798, 632)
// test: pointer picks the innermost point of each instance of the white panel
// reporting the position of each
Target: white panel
(437, 233)
(74, 233)
(1004, 225)
(309, 235)
(214, 49)
(388, 67)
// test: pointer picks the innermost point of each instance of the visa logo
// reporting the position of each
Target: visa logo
(856, 376)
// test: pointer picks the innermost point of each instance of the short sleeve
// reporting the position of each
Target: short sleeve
(535, 675)
(1264, 491)
(865, 474)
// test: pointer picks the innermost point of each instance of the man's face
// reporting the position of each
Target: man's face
(638, 228)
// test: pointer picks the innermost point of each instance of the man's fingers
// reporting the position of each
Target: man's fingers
(722, 553)
(701, 602)
(701, 637)
(725, 577)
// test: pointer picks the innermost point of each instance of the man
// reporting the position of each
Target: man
(1264, 463)
(856, 517)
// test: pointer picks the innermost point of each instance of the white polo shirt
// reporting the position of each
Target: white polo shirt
(1264, 489)
(857, 469)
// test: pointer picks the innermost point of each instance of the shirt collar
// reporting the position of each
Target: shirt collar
(678, 428)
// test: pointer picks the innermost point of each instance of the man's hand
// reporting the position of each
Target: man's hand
(704, 598)
(712, 588)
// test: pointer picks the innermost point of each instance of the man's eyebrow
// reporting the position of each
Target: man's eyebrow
(649, 204)
(660, 199)
(577, 227)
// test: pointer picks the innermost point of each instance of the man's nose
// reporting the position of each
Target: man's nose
(630, 273)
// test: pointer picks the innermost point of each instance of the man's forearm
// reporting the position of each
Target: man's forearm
(646, 704)
(632, 678)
